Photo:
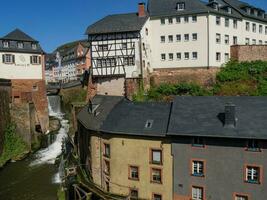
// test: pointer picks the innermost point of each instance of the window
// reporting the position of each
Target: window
(254, 41)
(170, 20)
(157, 197)
(218, 20)
(234, 40)
(235, 23)
(226, 39)
(156, 175)
(178, 56)
(194, 18)
(260, 28)
(178, 20)
(36, 60)
(218, 38)
(134, 173)
(162, 39)
(194, 36)
(194, 55)
(226, 57)
(162, 21)
(133, 194)
(180, 6)
(260, 42)
(247, 26)
(253, 145)
(247, 41)
(156, 156)
(254, 28)
(170, 56)
(8, 58)
(229, 10)
(34, 46)
(170, 38)
(241, 197)
(186, 55)
(186, 37)
(6, 44)
(186, 19)
(107, 150)
(149, 123)
(197, 168)
(226, 22)
(20, 45)
(146, 31)
(218, 57)
(253, 174)
(178, 38)
(103, 47)
(163, 56)
(124, 45)
(197, 193)
(129, 61)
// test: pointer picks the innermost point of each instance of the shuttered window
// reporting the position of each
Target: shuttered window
(35, 60)
(8, 58)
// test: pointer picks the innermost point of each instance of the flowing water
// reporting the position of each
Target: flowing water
(37, 177)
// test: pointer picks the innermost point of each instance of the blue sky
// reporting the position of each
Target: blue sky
(55, 22)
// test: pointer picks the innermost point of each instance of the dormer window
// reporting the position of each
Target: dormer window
(180, 6)
(229, 10)
(149, 124)
(215, 6)
(34, 46)
(20, 45)
(248, 10)
(6, 44)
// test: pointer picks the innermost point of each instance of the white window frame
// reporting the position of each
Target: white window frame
(180, 6)
(197, 167)
(218, 56)
(226, 39)
(185, 37)
(194, 55)
(178, 57)
(194, 18)
(197, 193)
(218, 20)
(163, 55)
(5, 44)
(170, 56)
(178, 38)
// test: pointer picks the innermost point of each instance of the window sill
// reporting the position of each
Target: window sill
(253, 182)
(133, 179)
(198, 175)
(156, 182)
(156, 163)
(253, 150)
(198, 146)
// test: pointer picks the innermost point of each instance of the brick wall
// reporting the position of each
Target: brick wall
(201, 76)
(249, 52)
(25, 91)
(132, 86)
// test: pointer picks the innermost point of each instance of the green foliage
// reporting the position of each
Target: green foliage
(14, 146)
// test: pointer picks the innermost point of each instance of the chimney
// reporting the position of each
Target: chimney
(141, 10)
(230, 115)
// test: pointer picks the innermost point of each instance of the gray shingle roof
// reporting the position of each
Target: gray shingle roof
(18, 35)
(106, 104)
(199, 116)
(129, 118)
(117, 23)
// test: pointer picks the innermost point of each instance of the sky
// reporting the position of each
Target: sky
(55, 22)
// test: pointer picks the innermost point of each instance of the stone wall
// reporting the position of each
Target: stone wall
(132, 86)
(202, 76)
(249, 52)
(27, 91)
(4, 115)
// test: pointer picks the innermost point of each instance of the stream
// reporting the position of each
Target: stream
(36, 177)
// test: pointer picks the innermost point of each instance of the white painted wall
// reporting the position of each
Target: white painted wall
(21, 69)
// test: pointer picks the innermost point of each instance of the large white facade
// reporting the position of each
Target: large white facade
(21, 68)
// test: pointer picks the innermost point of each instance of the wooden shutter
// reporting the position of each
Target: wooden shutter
(13, 58)
(4, 58)
(31, 59)
(39, 59)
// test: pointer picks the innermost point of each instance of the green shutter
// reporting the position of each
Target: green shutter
(13, 58)
(39, 59)
(4, 58)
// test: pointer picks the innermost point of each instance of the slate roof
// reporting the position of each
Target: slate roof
(129, 118)
(129, 22)
(199, 116)
(18, 35)
(106, 104)
(158, 8)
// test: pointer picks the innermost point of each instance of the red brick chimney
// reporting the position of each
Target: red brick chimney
(141, 10)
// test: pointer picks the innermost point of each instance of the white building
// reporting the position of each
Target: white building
(174, 34)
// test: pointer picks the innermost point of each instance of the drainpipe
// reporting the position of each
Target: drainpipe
(141, 56)
(208, 39)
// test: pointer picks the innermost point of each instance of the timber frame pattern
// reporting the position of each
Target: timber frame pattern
(111, 52)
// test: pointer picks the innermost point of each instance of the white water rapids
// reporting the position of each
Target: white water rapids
(49, 154)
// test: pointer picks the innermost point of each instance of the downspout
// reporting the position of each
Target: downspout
(141, 56)
(208, 40)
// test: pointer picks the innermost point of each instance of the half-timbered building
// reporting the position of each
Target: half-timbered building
(118, 44)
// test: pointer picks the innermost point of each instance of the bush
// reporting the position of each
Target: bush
(14, 146)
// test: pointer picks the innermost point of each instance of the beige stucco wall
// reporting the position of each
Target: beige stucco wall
(111, 86)
(127, 151)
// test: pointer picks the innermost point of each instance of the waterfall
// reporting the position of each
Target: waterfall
(49, 154)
